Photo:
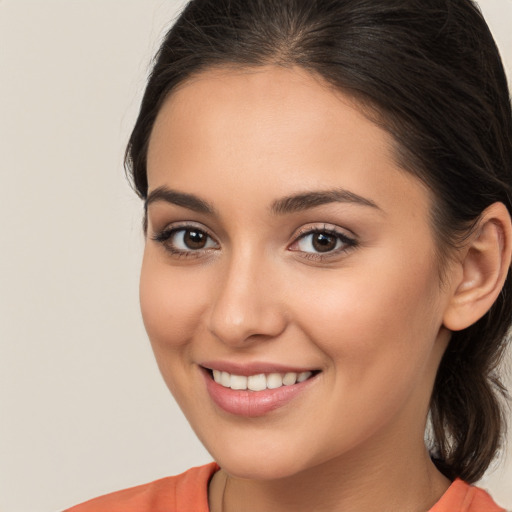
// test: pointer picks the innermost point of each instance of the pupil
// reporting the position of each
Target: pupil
(323, 242)
(195, 239)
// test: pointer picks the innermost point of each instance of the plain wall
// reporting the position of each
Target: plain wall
(83, 409)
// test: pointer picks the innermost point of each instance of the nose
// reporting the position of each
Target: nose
(247, 306)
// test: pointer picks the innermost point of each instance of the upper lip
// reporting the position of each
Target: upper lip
(253, 368)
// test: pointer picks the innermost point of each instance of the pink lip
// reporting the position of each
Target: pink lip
(251, 404)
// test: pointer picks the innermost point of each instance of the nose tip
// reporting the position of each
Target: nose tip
(240, 327)
(246, 309)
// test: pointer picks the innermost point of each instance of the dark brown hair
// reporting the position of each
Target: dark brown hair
(430, 72)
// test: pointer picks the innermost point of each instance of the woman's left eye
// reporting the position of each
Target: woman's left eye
(322, 242)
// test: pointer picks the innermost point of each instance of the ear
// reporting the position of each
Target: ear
(481, 270)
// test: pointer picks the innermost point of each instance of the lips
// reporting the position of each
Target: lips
(255, 390)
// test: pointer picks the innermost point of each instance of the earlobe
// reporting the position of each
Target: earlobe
(484, 263)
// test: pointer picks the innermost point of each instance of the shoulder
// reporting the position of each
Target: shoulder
(463, 497)
(187, 492)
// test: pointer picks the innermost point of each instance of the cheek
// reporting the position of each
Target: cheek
(373, 322)
(378, 333)
(171, 303)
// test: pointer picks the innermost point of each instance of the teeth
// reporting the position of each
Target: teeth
(290, 378)
(238, 382)
(259, 382)
(274, 380)
(225, 379)
(303, 376)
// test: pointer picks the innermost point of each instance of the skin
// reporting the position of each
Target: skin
(369, 316)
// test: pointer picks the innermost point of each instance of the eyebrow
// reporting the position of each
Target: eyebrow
(183, 199)
(289, 204)
(307, 200)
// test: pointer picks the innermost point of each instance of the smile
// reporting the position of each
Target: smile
(259, 391)
(259, 382)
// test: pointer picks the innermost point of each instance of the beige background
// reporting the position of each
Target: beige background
(83, 410)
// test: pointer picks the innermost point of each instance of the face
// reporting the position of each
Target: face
(289, 285)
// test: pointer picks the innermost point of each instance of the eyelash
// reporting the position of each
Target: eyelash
(346, 242)
(164, 238)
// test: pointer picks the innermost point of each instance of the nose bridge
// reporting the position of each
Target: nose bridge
(246, 305)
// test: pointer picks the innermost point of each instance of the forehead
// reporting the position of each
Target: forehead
(274, 100)
(279, 127)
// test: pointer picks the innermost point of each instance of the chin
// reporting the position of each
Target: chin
(260, 469)
(259, 461)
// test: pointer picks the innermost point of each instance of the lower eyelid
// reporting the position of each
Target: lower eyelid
(332, 256)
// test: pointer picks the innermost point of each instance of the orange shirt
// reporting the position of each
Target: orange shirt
(188, 493)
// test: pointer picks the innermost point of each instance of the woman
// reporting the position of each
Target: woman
(328, 244)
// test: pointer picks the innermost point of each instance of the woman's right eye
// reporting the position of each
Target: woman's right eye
(186, 241)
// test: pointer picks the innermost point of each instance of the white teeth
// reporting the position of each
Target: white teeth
(225, 379)
(274, 380)
(238, 382)
(303, 376)
(290, 378)
(259, 382)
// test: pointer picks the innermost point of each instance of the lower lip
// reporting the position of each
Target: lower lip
(251, 404)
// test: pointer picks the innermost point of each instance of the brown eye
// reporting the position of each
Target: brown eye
(324, 242)
(320, 242)
(195, 239)
(186, 240)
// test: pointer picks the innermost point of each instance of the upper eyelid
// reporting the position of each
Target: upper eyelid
(178, 225)
(324, 227)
